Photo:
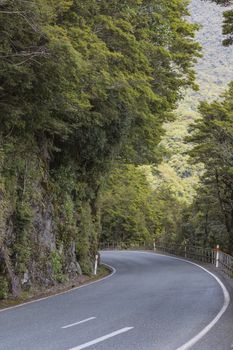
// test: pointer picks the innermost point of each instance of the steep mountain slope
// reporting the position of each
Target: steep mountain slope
(213, 71)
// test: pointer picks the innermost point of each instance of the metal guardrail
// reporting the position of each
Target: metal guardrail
(118, 245)
(226, 263)
(190, 252)
(215, 256)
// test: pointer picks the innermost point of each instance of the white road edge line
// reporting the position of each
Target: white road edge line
(204, 331)
(226, 303)
(101, 339)
(79, 322)
(61, 293)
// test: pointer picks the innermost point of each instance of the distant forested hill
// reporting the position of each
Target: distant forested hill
(213, 75)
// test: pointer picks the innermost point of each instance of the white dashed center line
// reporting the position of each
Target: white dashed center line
(101, 339)
(80, 322)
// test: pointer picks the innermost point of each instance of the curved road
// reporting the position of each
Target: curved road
(152, 302)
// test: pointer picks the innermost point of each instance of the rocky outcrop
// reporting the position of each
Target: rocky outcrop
(47, 235)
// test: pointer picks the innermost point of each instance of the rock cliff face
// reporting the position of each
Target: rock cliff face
(48, 229)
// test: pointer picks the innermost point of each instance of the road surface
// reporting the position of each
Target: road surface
(151, 302)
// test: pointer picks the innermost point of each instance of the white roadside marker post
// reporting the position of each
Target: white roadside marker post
(96, 264)
(154, 246)
(217, 256)
(185, 249)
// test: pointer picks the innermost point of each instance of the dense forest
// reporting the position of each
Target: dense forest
(193, 183)
(85, 85)
(207, 142)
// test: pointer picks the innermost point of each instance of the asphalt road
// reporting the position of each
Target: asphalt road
(151, 302)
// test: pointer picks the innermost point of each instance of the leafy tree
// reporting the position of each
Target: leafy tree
(136, 209)
(212, 139)
(202, 222)
(129, 207)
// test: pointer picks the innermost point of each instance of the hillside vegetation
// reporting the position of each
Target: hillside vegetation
(83, 84)
(193, 184)
(213, 75)
(95, 143)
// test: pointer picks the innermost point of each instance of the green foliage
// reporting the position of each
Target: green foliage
(82, 83)
(199, 218)
(129, 207)
(212, 76)
(136, 208)
(57, 267)
(84, 239)
(202, 223)
(101, 65)
(212, 139)
(4, 288)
